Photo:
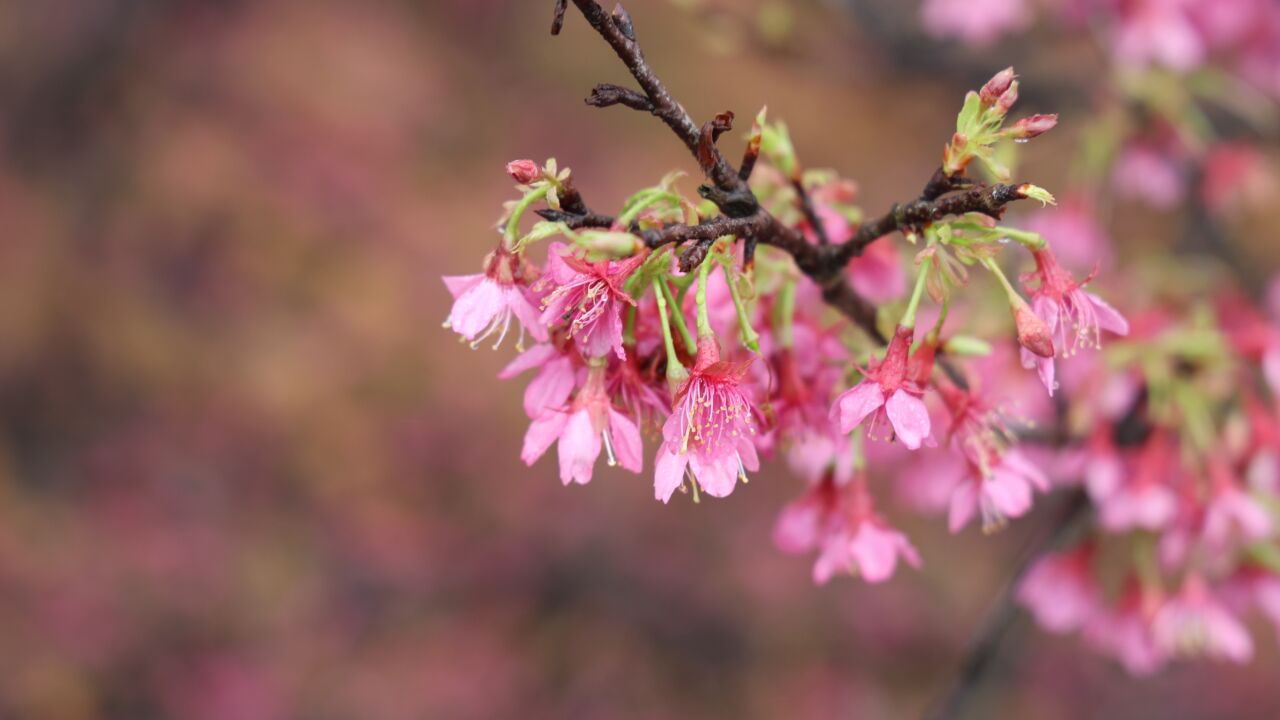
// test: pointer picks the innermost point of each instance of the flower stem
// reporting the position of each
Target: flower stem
(642, 201)
(909, 317)
(675, 369)
(677, 317)
(517, 212)
(991, 265)
(750, 337)
(704, 319)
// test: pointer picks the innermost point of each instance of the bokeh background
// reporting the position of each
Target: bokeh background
(245, 474)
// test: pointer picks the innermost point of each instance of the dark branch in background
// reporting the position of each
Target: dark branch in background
(1131, 430)
(984, 649)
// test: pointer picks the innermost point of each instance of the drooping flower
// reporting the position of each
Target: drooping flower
(1231, 515)
(589, 424)
(1125, 631)
(997, 487)
(587, 297)
(1194, 623)
(552, 385)
(1061, 591)
(888, 396)
(485, 304)
(858, 541)
(1133, 490)
(1075, 318)
(805, 522)
(709, 432)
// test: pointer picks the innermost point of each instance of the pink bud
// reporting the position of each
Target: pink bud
(1007, 98)
(1029, 127)
(1033, 334)
(523, 171)
(996, 86)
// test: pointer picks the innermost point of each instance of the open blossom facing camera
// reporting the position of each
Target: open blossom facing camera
(732, 323)
(587, 298)
(887, 396)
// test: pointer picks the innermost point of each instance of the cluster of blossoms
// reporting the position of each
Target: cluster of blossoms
(1179, 457)
(1182, 92)
(1178, 451)
(1185, 477)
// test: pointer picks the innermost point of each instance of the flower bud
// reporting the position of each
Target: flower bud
(996, 86)
(1033, 334)
(523, 171)
(1007, 98)
(1029, 127)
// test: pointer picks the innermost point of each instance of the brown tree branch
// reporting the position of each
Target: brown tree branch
(743, 217)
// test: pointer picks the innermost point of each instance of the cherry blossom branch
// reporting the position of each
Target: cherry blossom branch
(744, 218)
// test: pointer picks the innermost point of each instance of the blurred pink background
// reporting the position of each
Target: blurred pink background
(244, 473)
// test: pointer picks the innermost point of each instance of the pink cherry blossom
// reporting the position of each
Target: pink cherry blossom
(877, 273)
(587, 297)
(1194, 623)
(1075, 318)
(1060, 590)
(1134, 491)
(710, 430)
(997, 487)
(485, 304)
(870, 548)
(552, 385)
(1125, 631)
(978, 22)
(1150, 175)
(1160, 32)
(805, 521)
(853, 538)
(590, 424)
(887, 396)
(1231, 515)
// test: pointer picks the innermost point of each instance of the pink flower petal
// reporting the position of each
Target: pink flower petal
(909, 417)
(579, 447)
(668, 473)
(853, 406)
(543, 431)
(627, 444)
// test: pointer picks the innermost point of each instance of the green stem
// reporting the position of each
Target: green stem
(642, 201)
(704, 319)
(629, 327)
(909, 317)
(675, 369)
(936, 332)
(750, 338)
(991, 265)
(513, 222)
(677, 316)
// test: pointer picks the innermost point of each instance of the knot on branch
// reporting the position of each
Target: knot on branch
(738, 202)
(607, 94)
(622, 20)
(695, 254)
